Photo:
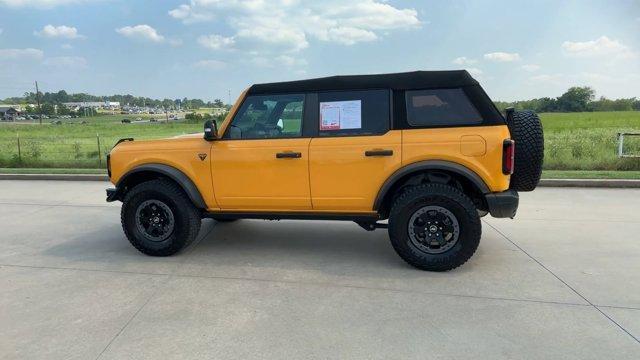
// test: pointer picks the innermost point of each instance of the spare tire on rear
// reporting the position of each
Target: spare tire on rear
(526, 131)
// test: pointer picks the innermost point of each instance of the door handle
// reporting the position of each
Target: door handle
(378, 152)
(288, 155)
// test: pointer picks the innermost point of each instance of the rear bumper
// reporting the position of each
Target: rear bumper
(503, 204)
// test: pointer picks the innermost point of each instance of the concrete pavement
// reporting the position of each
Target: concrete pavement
(562, 280)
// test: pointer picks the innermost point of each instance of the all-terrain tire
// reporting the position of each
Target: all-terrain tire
(526, 131)
(186, 217)
(417, 197)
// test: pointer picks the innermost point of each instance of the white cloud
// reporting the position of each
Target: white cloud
(349, 35)
(62, 31)
(184, 13)
(462, 60)
(289, 61)
(502, 57)
(530, 67)
(602, 46)
(216, 42)
(66, 46)
(289, 25)
(276, 38)
(210, 64)
(75, 62)
(141, 32)
(21, 54)
(42, 4)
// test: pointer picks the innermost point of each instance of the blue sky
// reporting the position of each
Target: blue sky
(205, 48)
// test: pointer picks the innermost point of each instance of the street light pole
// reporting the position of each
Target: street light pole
(38, 100)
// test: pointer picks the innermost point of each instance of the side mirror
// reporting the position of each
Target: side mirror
(210, 130)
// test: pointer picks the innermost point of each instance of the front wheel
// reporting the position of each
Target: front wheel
(434, 227)
(158, 218)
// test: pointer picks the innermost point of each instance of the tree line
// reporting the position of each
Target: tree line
(576, 99)
(57, 98)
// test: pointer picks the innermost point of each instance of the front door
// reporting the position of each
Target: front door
(262, 160)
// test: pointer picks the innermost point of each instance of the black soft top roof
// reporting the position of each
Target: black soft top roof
(397, 81)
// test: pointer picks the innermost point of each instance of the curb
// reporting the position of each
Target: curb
(591, 183)
(65, 177)
(582, 183)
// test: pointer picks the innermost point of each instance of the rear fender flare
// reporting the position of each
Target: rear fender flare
(420, 166)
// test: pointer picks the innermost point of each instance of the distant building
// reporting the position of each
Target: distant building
(8, 113)
(217, 111)
(93, 104)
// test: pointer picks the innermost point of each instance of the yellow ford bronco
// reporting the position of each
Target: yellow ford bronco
(427, 150)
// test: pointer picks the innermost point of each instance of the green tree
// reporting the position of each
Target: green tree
(48, 109)
(576, 99)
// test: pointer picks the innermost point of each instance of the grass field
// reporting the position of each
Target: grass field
(73, 144)
(588, 141)
(573, 141)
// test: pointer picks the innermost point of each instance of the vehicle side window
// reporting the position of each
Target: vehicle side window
(268, 117)
(440, 107)
(348, 113)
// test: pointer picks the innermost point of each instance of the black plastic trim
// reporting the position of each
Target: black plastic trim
(122, 140)
(428, 165)
(112, 194)
(292, 216)
(176, 175)
(503, 204)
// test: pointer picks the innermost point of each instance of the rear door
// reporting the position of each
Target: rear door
(261, 163)
(353, 151)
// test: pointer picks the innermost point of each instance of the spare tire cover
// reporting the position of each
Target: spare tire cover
(526, 131)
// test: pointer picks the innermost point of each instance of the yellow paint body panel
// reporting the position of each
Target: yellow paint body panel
(247, 174)
(181, 153)
(343, 178)
(449, 144)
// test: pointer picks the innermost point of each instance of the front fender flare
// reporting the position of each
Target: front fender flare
(174, 174)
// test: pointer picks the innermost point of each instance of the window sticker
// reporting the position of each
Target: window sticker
(341, 115)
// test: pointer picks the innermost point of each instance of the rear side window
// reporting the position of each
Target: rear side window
(440, 107)
(344, 113)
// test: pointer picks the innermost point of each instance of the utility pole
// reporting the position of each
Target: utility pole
(229, 96)
(38, 100)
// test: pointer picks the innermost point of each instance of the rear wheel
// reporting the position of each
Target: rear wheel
(158, 218)
(434, 227)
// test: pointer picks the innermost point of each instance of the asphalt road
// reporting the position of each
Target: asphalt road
(562, 280)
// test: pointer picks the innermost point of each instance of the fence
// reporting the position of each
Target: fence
(570, 150)
(621, 147)
(46, 152)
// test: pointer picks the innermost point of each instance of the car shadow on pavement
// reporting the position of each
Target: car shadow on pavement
(246, 248)
(335, 247)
